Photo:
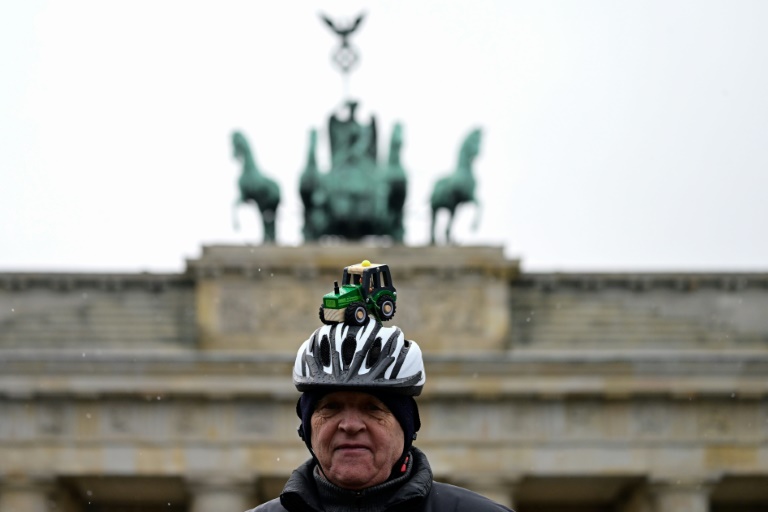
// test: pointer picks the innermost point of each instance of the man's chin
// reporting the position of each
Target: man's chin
(354, 477)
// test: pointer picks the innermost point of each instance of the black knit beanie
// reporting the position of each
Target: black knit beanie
(403, 407)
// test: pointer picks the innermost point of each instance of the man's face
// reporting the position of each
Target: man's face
(356, 439)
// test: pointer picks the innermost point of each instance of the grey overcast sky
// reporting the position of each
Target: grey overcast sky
(625, 135)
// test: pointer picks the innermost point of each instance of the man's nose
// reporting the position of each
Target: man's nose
(351, 420)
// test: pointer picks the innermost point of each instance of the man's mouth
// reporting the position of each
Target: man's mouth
(351, 447)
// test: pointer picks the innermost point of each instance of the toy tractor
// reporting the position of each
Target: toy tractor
(366, 288)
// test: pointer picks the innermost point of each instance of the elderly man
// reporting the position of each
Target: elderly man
(358, 419)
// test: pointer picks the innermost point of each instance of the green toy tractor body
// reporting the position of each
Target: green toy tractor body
(366, 288)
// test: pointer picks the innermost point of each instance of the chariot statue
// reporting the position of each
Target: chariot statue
(361, 193)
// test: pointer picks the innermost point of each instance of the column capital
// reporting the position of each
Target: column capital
(28, 482)
(479, 479)
(687, 483)
(210, 482)
(220, 492)
(683, 494)
(31, 493)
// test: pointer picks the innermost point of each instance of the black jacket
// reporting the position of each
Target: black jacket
(418, 494)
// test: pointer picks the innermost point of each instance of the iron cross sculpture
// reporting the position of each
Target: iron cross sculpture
(345, 57)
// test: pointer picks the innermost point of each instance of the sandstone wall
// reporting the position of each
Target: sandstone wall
(557, 392)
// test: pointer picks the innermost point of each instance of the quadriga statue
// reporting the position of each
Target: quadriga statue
(358, 196)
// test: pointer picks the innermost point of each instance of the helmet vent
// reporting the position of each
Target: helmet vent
(348, 348)
(325, 351)
(374, 353)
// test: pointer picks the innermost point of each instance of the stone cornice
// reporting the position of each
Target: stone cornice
(547, 376)
(69, 281)
(312, 259)
(643, 281)
(221, 262)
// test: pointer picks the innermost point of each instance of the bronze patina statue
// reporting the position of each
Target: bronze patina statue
(398, 184)
(345, 55)
(358, 196)
(352, 144)
(312, 193)
(457, 188)
(361, 194)
(256, 187)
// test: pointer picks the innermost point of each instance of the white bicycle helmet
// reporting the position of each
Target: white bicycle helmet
(368, 356)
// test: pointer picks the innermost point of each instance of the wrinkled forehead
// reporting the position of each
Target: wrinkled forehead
(351, 398)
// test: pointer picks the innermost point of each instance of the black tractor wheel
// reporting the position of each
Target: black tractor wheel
(386, 308)
(356, 314)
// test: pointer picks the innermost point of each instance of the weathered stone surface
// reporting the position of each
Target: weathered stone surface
(90, 311)
(639, 311)
(266, 298)
(549, 391)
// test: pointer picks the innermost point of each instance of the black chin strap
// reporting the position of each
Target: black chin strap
(319, 466)
(312, 452)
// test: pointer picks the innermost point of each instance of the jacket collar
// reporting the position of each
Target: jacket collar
(300, 492)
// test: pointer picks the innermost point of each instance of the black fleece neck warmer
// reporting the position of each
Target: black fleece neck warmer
(372, 499)
(403, 407)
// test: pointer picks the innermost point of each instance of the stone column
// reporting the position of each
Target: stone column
(680, 496)
(220, 493)
(26, 494)
(637, 501)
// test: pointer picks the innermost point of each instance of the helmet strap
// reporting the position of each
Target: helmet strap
(319, 466)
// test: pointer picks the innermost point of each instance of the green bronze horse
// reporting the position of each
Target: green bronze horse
(457, 188)
(398, 185)
(256, 187)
